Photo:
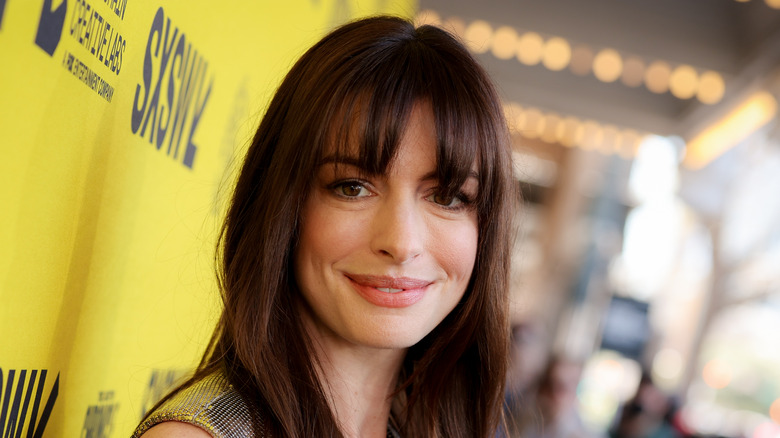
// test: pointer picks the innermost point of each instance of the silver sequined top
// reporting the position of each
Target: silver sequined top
(215, 406)
(211, 404)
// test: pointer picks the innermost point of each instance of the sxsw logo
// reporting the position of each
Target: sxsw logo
(49, 26)
(22, 397)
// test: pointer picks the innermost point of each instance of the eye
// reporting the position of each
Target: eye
(350, 189)
(448, 201)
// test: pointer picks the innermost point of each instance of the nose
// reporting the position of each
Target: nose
(399, 230)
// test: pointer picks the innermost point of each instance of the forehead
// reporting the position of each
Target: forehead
(369, 129)
(416, 148)
(361, 134)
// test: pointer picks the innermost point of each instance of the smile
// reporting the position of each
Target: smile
(386, 291)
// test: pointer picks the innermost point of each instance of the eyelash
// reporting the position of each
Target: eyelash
(336, 186)
(465, 201)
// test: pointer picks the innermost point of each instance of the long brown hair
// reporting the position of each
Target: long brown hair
(365, 77)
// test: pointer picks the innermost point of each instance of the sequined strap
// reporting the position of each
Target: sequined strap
(211, 404)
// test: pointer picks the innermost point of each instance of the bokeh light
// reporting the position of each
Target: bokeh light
(716, 374)
(581, 60)
(530, 48)
(592, 135)
(774, 411)
(683, 82)
(667, 364)
(633, 71)
(504, 43)
(456, 25)
(549, 127)
(557, 54)
(532, 125)
(774, 4)
(607, 65)
(569, 131)
(478, 35)
(657, 77)
(711, 87)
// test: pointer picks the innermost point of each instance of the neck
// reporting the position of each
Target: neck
(358, 382)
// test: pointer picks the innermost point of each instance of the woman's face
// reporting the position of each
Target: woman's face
(382, 259)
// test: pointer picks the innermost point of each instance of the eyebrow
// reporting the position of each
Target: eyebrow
(341, 159)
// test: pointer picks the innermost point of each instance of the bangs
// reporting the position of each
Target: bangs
(371, 108)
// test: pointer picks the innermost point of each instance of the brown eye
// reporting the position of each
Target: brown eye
(446, 201)
(443, 200)
(351, 189)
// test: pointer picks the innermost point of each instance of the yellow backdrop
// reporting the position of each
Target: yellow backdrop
(120, 124)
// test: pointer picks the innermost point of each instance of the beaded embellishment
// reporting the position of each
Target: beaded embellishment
(211, 404)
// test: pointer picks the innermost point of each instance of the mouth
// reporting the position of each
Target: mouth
(387, 283)
(386, 291)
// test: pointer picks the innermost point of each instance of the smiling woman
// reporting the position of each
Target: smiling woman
(383, 259)
(364, 257)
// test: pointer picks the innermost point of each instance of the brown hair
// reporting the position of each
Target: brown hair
(364, 78)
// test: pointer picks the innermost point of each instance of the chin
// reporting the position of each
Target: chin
(391, 340)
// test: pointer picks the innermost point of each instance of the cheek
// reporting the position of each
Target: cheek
(325, 235)
(456, 250)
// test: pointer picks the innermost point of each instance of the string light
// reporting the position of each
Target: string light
(532, 127)
(569, 131)
(633, 71)
(504, 43)
(683, 82)
(455, 25)
(581, 60)
(711, 88)
(478, 35)
(657, 77)
(607, 65)
(530, 48)
(592, 135)
(549, 127)
(557, 54)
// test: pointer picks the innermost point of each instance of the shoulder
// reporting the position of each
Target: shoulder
(175, 429)
(210, 405)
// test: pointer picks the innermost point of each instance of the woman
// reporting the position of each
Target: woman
(364, 256)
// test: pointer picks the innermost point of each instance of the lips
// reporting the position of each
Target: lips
(392, 292)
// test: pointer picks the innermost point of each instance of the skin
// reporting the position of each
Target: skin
(363, 232)
(368, 231)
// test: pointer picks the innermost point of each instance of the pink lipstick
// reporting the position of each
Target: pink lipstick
(392, 292)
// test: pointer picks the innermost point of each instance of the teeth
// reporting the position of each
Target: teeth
(389, 289)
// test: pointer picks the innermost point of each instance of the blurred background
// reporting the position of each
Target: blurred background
(646, 284)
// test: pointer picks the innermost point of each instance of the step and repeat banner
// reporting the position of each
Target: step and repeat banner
(121, 125)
